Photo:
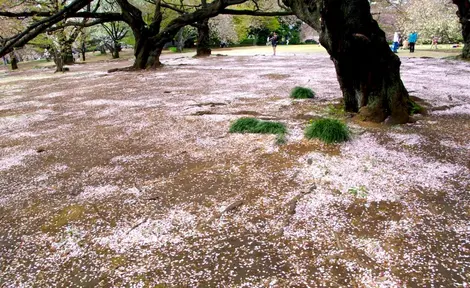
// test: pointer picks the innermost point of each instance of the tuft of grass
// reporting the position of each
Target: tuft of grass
(360, 192)
(328, 130)
(173, 49)
(253, 125)
(301, 93)
(414, 108)
(64, 217)
(281, 139)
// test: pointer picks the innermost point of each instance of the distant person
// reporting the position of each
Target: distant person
(274, 39)
(287, 41)
(396, 39)
(412, 38)
(267, 41)
(434, 41)
(405, 44)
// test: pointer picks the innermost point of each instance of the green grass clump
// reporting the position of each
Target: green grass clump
(281, 139)
(253, 125)
(328, 130)
(414, 108)
(173, 49)
(301, 93)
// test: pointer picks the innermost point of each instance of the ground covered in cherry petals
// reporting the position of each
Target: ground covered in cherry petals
(131, 178)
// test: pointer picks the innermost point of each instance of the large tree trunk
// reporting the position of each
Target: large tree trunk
(147, 54)
(13, 61)
(464, 15)
(203, 39)
(368, 72)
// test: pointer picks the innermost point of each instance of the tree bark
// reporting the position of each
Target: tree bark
(67, 55)
(179, 41)
(102, 49)
(464, 16)
(147, 53)
(203, 40)
(59, 61)
(367, 70)
(116, 49)
(65, 48)
(13, 61)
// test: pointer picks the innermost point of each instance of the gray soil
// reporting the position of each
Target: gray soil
(132, 179)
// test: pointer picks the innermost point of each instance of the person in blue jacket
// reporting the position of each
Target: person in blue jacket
(412, 38)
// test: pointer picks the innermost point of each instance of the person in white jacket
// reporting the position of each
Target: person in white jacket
(396, 42)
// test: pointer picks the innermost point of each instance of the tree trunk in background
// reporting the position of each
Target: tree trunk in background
(13, 61)
(102, 50)
(67, 55)
(116, 49)
(368, 72)
(203, 39)
(179, 41)
(464, 16)
(83, 51)
(59, 61)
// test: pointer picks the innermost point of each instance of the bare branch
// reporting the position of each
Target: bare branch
(37, 28)
(256, 13)
(172, 7)
(82, 24)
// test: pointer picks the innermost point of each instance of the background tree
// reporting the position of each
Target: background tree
(223, 27)
(11, 26)
(116, 32)
(430, 18)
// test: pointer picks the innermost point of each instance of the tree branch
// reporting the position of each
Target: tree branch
(84, 14)
(256, 13)
(171, 7)
(80, 24)
(37, 28)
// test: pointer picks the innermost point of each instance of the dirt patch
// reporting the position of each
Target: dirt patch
(275, 76)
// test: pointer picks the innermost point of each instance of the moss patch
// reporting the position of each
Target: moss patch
(336, 110)
(253, 125)
(301, 93)
(328, 130)
(64, 217)
(414, 108)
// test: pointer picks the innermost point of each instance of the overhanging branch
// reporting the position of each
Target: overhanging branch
(80, 24)
(37, 28)
(256, 13)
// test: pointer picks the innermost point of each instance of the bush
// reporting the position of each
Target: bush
(301, 93)
(253, 125)
(173, 49)
(328, 130)
(310, 41)
(247, 42)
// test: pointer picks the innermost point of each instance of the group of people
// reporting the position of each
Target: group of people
(409, 42)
